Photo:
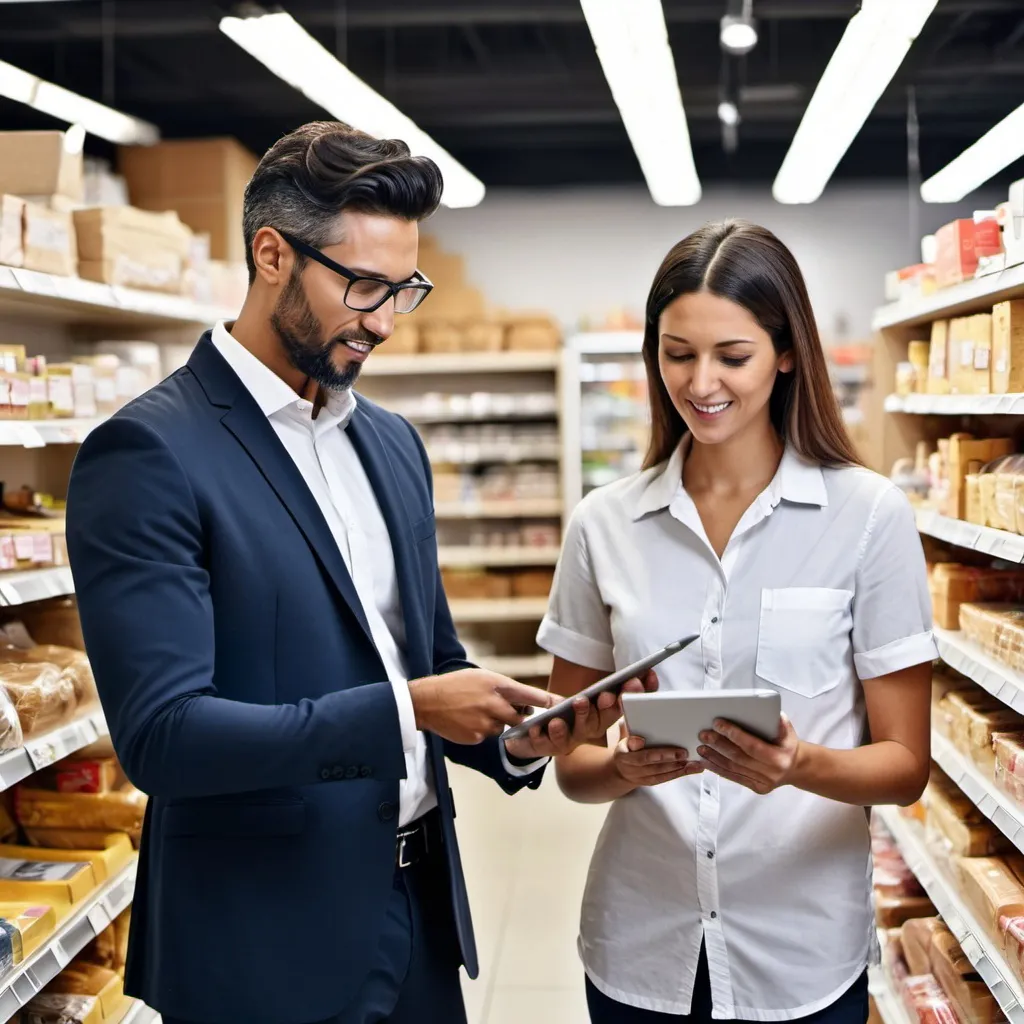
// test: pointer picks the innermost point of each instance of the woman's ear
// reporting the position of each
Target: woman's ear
(786, 362)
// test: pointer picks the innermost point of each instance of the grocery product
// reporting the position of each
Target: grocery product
(81, 775)
(997, 627)
(1008, 347)
(11, 734)
(1009, 764)
(979, 726)
(33, 922)
(972, 1000)
(57, 1008)
(916, 942)
(956, 828)
(992, 890)
(42, 694)
(938, 359)
(926, 1002)
(82, 978)
(44, 881)
(118, 811)
(894, 911)
(74, 663)
(106, 862)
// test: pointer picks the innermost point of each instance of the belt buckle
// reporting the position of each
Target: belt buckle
(402, 862)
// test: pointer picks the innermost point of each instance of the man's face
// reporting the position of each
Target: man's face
(324, 339)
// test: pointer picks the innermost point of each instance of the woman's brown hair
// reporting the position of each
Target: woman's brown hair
(748, 265)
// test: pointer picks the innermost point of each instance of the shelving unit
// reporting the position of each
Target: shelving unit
(963, 654)
(512, 609)
(977, 946)
(997, 543)
(890, 1006)
(956, 405)
(41, 751)
(71, 937)
(468, 557)
(35, 585)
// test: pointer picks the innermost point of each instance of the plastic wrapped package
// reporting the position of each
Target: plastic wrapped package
(997, 627)
(892, 877)
(1009, 766)
(118, 811)
(26, 926)
(895, 911)
(992, 889)
(43, 695)
(76, 663)
(1011, 927)
(1018, 503)
(926, 1002)
(81, 775)
(1008, 473)
(894, 963)
(981, 724)
(951, 585)
(57, 1008)
(966, 712)
(11, 733)
(916, 942)
(54, 622)
(81, 978)
(972, 1000)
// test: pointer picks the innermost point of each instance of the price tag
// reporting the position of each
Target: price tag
(1010, 548)
(28, 436)
(35, 283)
(41, 753)
(90, 731)
(99, 918)
(60, 954)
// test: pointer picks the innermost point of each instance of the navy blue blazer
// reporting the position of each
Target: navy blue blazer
(245, 695)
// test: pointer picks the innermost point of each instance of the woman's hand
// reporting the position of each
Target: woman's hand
(738, 756)
(640, 766)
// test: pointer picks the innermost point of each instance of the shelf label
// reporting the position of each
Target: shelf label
(99, 918)
(42, 753)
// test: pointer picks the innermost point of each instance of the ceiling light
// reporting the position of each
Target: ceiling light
(868, 56)
(728, 114)
(737, 35)
(632, 45)
(65, 105)
(282, 45)
(995, 150)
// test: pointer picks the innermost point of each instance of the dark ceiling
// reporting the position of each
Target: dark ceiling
(515, 90)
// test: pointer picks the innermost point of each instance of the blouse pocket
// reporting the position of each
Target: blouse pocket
(803, 642)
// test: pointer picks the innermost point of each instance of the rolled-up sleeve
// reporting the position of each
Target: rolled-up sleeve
(892, 614)
(576, 627)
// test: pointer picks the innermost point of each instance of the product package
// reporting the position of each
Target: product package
(1009, 768)
(916, 942)
(998, 628)
(119, 811)
(42, 694)
(992, 889)
(926, 1002)
(58, 883)
(56, 1008)
(33, 923)
(1008, 347)
(82, 978)
(106, 862)
(972, 1000)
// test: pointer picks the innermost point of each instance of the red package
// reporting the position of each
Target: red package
(1012, 931)
(926, 1001)
(956, 259)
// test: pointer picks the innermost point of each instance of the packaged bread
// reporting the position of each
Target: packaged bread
(951, 585)
(440, 336)
(972, 1000)
(895, 911)
(54, 622)
(1011, 927)
(11, 734)
(998, 628)
(1009, 767)
(75, 663)
(82, 978)
(957, 708)
(1009, 472)
(974, 506)
(475, 584)
(992, 890)
(43, 694)
(27, 926)
(954, 830)
(926, 1002)
(81, 775)
(118, 811)
(58, 1008)
(988, 489)
(980, 725)
(916, 942)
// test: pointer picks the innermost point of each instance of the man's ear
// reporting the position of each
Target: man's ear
(273, 257)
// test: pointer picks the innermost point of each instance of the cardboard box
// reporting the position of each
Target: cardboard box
(1008, 347)
(34, 923)
(966, 456)
(49, 241)
(12, 231)
(939, 359)
(40, 164)
(202, 179)
(956, 259)
(980, 329)
(1011, 222)
(131, 248)
(44, 880)
(961, 351)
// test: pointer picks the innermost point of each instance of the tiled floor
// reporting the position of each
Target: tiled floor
(535, 845)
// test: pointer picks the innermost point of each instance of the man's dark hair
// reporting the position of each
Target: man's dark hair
(314, 173)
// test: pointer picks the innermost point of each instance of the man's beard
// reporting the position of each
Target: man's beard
(300, 333)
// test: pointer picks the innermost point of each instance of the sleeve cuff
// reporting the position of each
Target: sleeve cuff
(519, 770)
(894, 657)
(570, 646)
(406, 714)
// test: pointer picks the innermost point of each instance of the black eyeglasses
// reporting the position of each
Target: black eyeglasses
(365, 294)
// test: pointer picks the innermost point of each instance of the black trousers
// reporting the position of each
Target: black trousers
(849, 1008)
(415, 974)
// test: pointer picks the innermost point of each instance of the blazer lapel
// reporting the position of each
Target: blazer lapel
(387, 489)
(246, 421)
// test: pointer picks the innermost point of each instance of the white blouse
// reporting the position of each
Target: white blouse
(822, 584)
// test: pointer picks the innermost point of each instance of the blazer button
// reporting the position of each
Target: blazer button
(386, 811)
(365, 772)
(351, 773)
(339, 772)
(325, 774)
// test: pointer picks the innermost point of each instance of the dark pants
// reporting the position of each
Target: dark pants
(849, 1008)
(414, 978)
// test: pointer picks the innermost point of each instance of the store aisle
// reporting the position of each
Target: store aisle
(537, 844)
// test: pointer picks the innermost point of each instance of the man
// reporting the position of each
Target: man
(255, 559)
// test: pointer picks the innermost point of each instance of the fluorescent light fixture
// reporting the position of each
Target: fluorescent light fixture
(65, 105)
(737, 35)
(995, 150)
(632, 45)
(864, 63)
(283, 46)
(728, 114)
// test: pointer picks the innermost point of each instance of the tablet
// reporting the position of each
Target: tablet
(676, 719)
(612, 683)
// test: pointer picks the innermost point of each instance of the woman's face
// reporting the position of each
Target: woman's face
(718, 364)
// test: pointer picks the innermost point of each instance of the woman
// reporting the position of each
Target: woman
(736, 878)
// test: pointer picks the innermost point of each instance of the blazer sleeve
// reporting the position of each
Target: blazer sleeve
(449, 656)
(136, 546)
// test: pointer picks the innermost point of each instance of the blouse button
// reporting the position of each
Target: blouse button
(714, 621)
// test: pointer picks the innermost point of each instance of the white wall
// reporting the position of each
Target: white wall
(584, 252)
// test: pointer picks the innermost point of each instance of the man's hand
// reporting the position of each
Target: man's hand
(471, 704)
(590, 724)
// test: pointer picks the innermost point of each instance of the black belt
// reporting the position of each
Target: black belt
(418, 840)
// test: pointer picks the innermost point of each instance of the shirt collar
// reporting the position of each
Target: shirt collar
(271, 393)
(796, 480)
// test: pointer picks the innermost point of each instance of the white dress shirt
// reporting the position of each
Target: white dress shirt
(821, 585)
(323, 453)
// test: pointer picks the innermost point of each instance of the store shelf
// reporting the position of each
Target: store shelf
(528, 666)
(17, 765)
(997, 543)
(39, 433)
(513, 609)
(18, 588)
(607, 343)
(470, 454)
(974, 296)
(472, 557)
(30, 295)
(140, 1013)
(980, 790)
(71, 937)
(890, 1006)
(974, 940)
(969, 659)
(956, 405)
(382, 365)
(541, 508)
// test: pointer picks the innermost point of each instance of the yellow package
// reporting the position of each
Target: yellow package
(105, 863)
(35, 923)
(28, 879)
